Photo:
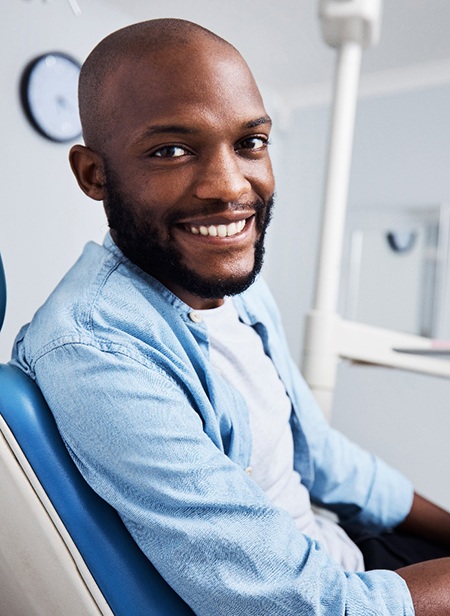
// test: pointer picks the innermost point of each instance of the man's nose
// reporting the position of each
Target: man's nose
(222, 178)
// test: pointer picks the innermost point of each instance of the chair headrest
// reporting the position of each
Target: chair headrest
(2, 293)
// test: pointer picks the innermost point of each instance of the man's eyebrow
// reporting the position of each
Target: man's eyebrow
(180, 129)
(165, 129)
(263, 120)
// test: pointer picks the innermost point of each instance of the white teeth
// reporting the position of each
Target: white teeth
(219, 230)
(232, 229)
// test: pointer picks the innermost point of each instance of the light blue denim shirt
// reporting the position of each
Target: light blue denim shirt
(160, 436)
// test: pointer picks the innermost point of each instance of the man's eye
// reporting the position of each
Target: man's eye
(170, 151)
(253, 143)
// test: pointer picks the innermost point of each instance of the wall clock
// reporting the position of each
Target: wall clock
(48, 91)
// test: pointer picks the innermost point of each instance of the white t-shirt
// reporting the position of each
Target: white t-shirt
(237, 353)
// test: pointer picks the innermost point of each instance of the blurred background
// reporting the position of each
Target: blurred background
(400, 187)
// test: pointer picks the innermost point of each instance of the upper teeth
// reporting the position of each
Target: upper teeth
(218, 230)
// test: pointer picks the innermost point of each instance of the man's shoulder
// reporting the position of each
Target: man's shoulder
(100, 299)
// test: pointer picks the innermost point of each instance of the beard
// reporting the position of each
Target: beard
(141, 242)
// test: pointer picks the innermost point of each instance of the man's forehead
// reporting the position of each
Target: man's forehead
(202, 58)
(184, 77)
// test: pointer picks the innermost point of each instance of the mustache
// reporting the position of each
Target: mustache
(249, 208)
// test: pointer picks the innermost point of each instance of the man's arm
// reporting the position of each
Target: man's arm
(427, 520)
(429, 585)
(428, 582)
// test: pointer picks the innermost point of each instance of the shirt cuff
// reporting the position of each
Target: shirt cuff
(390, 499)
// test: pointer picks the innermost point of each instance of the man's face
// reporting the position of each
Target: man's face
(188, 177)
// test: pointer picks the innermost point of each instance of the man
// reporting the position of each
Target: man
(162, 357)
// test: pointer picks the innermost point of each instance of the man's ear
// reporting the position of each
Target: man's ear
(88, 168)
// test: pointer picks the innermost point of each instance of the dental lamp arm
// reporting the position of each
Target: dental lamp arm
(329, 338)
(350, 26)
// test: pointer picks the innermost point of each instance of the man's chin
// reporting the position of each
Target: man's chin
(213, 289)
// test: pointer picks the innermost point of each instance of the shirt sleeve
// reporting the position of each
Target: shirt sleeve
(136, 437)
(358, 486)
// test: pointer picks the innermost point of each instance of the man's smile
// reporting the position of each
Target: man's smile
(220, 230)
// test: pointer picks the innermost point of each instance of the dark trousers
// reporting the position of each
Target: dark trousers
(393, 550)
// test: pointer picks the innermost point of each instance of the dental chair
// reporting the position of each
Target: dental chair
(63, 550)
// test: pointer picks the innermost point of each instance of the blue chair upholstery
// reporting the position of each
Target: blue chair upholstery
(128, 581)
(2, 293)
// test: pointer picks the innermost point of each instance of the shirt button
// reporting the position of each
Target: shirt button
(195, 317)
(248, 470)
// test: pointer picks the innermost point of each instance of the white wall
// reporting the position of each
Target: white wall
(44, 218)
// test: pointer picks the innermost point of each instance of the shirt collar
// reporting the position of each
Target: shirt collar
(175, 301)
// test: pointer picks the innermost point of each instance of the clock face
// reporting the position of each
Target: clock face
(49, 96)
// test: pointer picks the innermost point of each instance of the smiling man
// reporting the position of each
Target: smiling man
(162, 358)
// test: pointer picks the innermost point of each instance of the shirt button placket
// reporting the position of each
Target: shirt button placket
(195, 317)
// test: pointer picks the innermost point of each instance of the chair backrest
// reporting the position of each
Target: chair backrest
(2, 293)
(127, 580)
